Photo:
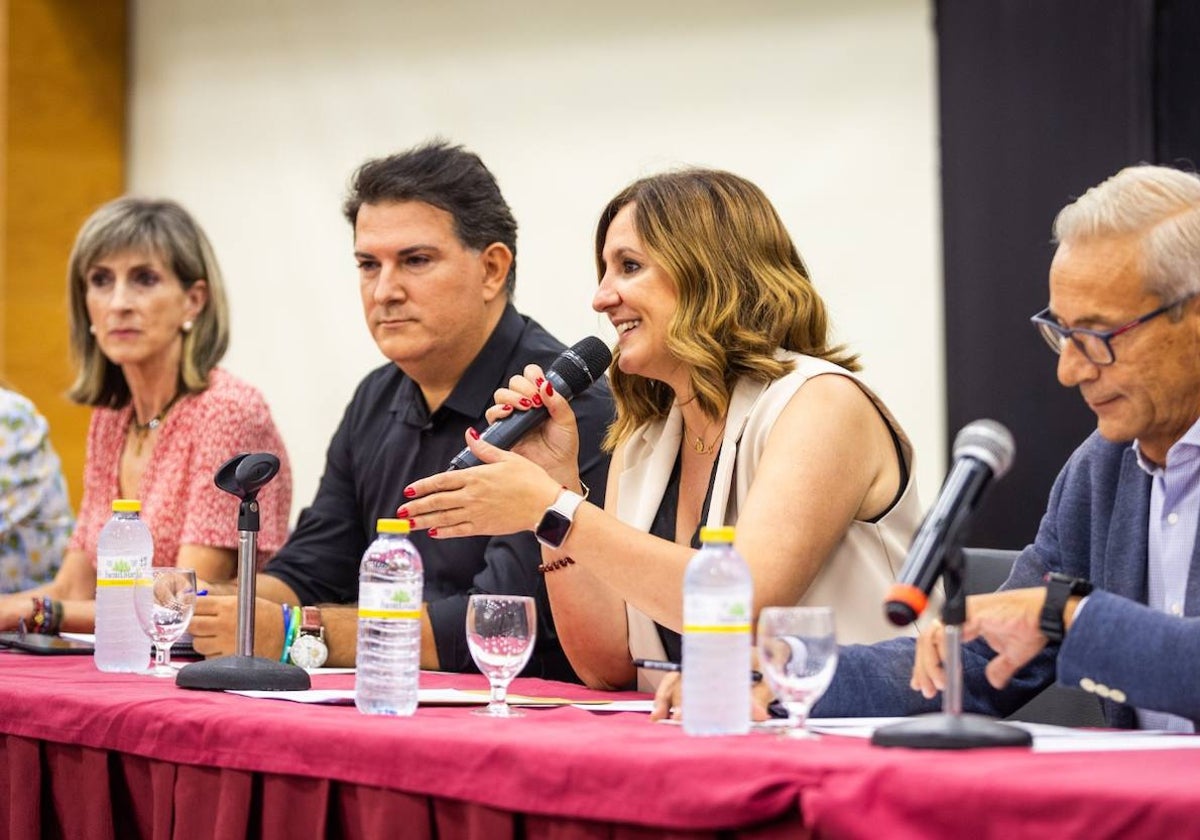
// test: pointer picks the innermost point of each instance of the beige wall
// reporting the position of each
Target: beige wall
(253, 113)
(63, 153)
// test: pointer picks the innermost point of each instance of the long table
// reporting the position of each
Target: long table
(91, 755)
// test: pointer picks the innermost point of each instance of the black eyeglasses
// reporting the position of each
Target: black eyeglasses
(1095, 345)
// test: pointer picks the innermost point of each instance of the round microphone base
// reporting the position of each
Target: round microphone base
(243, 673)
(951, 732)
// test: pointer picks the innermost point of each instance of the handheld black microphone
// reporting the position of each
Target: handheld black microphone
(983, 452)
(575, 369)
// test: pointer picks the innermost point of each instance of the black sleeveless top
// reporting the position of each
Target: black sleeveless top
(663, 527)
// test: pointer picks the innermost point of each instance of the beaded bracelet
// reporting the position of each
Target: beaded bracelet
(38, 619)
(56, 616)
(287, 626)
(560, 563)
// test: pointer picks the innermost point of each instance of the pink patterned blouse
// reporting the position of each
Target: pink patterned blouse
(180, 503)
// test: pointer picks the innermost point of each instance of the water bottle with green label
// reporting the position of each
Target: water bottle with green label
(124, 552)
(390, 586)
(717, 593)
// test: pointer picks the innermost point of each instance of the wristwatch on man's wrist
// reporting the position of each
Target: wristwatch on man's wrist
(1059, 589)
(556, 522)
(309, 650)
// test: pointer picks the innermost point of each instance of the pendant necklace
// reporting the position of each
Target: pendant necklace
(142, 430)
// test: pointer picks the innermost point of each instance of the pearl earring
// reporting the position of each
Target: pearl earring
(187, 327)
(92, 329)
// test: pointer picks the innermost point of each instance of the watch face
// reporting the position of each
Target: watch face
(308, 652)
(553, 528)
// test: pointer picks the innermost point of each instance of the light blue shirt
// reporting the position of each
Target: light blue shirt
(1174, 513)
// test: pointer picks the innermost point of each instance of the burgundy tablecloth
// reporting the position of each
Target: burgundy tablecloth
(93, 755)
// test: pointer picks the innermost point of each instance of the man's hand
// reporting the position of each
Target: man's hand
(214, 627)
(1008, 621)
(668, 700)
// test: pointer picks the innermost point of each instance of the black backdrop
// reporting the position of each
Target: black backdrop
(1040, 99)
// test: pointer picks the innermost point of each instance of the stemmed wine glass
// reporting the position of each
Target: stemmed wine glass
(500, 633)
(797, 652)
(164, 600)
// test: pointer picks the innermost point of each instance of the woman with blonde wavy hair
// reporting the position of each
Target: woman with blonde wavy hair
(149, 325)
(732, 409)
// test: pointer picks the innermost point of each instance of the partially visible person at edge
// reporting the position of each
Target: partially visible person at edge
(1107, 597)
(435, 244)
(732, 408)
(149, 323)
(35, 514)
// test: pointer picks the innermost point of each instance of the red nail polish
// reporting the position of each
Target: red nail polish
(402, 513)
(549, 389)
(525, 402)
(409, 492)
(433, 532)
(506, 408)
(473, 433)
(412, 523)
(539, 382)
(537, 399)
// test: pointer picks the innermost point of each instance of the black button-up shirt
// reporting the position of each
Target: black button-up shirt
(388, 439)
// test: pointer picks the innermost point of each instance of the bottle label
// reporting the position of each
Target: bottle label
(716, 613)
(120, 570)
(389, 601)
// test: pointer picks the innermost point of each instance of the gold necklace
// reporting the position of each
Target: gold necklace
(698, 443)
(141, 431)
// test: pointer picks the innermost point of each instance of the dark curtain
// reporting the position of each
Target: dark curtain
(1039, 100)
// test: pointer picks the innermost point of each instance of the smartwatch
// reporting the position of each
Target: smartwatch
(309, 650)
(1059, 588)
(556, 522)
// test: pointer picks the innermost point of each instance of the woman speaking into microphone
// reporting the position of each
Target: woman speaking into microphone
(733, 408)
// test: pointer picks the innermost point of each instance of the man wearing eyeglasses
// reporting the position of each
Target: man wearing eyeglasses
(1107, 598)
(1103, 599)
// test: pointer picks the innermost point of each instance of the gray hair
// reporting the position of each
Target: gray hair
(164, 229)
(1157, 202)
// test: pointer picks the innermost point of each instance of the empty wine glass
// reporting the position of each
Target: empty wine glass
(797, 651)
(164, 600)
(500, 633)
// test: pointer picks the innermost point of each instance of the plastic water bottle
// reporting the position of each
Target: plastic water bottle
(390, 588)
(717, 594)
(124, 553)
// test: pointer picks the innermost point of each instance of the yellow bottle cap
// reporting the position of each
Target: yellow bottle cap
(724, 534)
(126, 506)
(392, 526)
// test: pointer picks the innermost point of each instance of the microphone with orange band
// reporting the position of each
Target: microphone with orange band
(983, 452)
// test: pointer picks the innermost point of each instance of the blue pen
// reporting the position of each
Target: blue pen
(202, 592)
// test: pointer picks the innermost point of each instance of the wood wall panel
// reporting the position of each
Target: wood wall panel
(64, 92)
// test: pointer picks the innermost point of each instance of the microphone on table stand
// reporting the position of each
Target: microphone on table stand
(244, 476)
(983, 452)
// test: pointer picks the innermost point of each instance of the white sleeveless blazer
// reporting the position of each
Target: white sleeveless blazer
(854, 580)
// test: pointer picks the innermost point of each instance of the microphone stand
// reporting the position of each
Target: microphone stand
(950, 729)
(243, 476)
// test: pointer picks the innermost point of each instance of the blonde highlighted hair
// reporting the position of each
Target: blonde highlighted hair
(743, 290)
(151, 227)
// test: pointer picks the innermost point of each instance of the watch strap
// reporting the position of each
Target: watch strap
(549, 530)
(1059, 589)
(310, 621)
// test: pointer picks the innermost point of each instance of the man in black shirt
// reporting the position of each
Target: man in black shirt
(435, 244)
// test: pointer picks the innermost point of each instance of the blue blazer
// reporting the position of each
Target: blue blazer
(1094, 527)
